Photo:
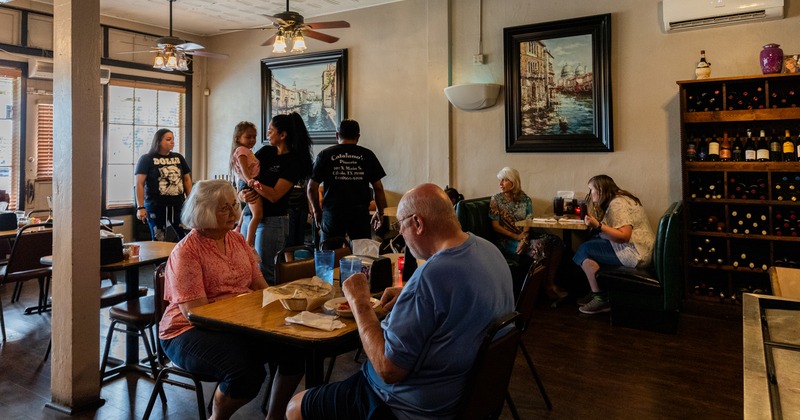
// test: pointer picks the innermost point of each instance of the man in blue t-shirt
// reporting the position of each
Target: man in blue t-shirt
(346, 172)
(420, 355)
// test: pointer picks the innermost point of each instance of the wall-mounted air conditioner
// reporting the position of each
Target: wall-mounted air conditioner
(39, 68)
(694, 14)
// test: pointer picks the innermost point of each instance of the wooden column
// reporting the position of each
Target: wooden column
(77, 132)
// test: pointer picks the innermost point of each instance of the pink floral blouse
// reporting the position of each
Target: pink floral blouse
(197, 269)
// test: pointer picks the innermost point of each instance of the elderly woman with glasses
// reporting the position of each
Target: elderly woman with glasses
(519, 244)
(213, 263)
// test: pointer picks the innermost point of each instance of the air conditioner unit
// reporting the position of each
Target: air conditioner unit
(694, 14)
(43, 69)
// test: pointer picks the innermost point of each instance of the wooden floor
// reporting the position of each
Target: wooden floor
(590, 369)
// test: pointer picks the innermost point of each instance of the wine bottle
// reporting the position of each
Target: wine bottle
(775, 148)
(797, 147)
(789, 150)
(750, 148)
(702, 150)
(725, 149)
(762, 147)
(737, 152)
(691, 149)
(713, 149)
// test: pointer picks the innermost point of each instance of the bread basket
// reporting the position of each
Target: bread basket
(303, 294)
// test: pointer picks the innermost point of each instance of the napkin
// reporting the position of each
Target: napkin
(319, 321)
(571, 221)
(366, 247)
(543, 220)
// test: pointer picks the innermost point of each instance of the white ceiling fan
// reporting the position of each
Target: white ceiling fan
(173, 53)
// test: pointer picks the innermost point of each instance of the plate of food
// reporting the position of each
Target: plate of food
(340, 306)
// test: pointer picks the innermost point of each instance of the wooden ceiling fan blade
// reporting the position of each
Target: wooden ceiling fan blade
(276, 20)
(207, 54)
(137, 52)
(328, 25)
(320, 36)
(269, 40)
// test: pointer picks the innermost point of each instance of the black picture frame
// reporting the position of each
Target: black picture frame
(312, 84)
(562, 101)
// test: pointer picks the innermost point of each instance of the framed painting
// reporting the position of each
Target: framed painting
(313, 85)
(558, 86)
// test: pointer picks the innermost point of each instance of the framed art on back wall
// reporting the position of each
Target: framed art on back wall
(313, 85)
(558, 83)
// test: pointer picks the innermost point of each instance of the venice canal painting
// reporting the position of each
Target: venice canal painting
(309, 90)
(556, 86)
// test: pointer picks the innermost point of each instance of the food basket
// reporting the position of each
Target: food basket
(303, 294)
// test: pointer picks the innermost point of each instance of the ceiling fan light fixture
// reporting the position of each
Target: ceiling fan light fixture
(280, 44)
(183, 62)
(299, 44)
(172, 61)
(159, 61)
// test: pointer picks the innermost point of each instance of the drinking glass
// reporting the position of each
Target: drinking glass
(323, 264)
(348, 266)
(558, 206)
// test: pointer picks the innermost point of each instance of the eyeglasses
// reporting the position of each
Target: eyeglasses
(396, 225)
(228, 208)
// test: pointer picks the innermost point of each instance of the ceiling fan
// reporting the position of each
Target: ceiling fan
(291, 25)
(174, 53)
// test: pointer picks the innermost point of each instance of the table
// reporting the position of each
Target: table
(245, 314)
(567, 237)
(771, 348)
(150, 252)
(12, 233)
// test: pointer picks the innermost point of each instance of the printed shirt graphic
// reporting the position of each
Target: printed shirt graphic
(164, 182)
(346, 172)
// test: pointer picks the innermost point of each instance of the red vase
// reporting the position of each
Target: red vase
(771, 59)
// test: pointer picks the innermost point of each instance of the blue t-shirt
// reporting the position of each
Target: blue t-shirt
(437, 325)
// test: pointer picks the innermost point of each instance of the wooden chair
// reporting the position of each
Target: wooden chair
(537, 274)
(487, 386)
(29, 247)
(165, 367)
(339, 245)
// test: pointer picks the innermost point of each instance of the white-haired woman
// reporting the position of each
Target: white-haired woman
(506, 208)
(213, 263)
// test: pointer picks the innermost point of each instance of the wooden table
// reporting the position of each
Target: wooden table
(771, 349)
(150, 253)
(567, 236)
(245, 314)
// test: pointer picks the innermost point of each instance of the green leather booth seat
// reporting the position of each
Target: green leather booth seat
(650, 299)
(473, 214)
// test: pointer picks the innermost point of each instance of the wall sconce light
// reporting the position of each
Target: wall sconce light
(472, 96)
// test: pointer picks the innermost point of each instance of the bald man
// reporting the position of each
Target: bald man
(420, 355)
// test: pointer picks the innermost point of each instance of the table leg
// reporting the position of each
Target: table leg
(314, 369)
(567, 238)
(132, 292)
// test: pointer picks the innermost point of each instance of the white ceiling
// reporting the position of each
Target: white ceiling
(208, 17)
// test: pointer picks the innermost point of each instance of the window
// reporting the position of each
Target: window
(136, 110)
(10, 105)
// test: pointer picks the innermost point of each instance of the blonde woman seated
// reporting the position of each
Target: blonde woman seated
(209, 264)
(523, 244)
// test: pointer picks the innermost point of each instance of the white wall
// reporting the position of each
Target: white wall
(396, 75)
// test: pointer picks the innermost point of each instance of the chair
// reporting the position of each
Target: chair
(165, 368)
(286, 271)
(29, 247)
(487, 386)
(537, 274)
(339, 245)
(288, 253)
(473, 214)
(650, 299)
(137, 318)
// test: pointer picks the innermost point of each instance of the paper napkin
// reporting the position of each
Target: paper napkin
(314, 320)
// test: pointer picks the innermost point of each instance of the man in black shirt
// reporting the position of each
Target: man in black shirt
(346, 172)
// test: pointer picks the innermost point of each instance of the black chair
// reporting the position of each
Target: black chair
(30, 245)
(165, 367)
(487, 386)
(537, 274)
(137, 318)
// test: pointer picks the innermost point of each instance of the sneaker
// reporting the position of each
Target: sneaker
(586, 299)
(596, 306)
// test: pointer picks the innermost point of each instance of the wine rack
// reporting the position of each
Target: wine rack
(741, 216)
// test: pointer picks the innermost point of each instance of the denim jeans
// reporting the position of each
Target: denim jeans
(599, 250)
(271, 237)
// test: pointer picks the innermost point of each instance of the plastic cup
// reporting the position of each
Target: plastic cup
(348, 266)
(302, 254)
(323, 264)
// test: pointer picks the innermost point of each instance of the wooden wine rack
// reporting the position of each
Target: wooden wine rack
(708, 217)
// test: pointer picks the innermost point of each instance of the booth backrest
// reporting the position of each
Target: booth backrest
(473, 214)
(667, 255)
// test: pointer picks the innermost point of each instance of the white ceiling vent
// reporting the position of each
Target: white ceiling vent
(695, 14)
